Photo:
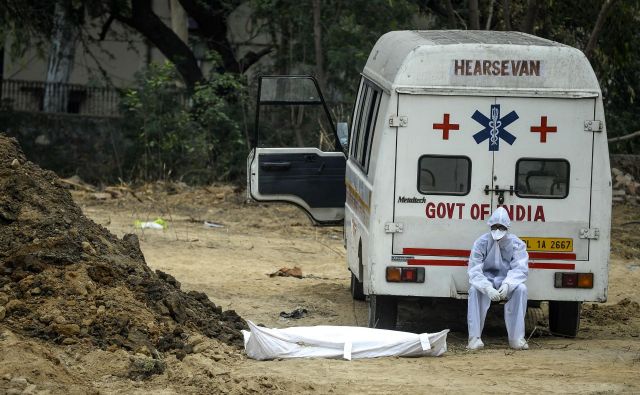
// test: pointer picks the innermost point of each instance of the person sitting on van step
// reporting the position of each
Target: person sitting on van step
(498, 269)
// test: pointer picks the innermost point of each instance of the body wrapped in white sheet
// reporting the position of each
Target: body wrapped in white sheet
(340, 342)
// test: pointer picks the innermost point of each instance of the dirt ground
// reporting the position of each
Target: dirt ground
(231, 264)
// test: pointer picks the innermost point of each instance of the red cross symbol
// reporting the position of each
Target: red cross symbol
(445, 126)
(543, 129)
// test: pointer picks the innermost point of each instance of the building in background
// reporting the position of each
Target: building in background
(101, 69)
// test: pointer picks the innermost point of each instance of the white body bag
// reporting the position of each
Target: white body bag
(346, 342)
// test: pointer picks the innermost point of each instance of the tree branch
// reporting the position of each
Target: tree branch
(250, 58)
(106, 27)
(625, 137)
(147, 23)
(212, 26)
(490, 17)
(597, 28)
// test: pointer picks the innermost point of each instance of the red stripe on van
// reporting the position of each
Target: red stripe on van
(458, 262)
(565, 256)
(436, 262)
(435, 252)
(541, 265)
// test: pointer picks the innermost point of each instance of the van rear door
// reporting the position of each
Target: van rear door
(440, 179)
(549, 168)
(296, 156)
(462, 156)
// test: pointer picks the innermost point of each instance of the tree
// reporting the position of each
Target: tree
(32, 21)
(61, 58)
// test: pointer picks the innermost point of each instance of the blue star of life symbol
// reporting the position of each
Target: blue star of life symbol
(494, 128)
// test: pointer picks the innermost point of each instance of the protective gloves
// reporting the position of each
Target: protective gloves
(492, 294)
(503, 291)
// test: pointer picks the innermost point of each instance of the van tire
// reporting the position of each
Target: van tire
(357, 288)
(564, 318)
(532, 320)
(383, 311)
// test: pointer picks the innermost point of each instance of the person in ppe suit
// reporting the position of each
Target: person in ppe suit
(498, 269)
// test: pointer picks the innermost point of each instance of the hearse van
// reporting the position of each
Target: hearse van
(447, 126)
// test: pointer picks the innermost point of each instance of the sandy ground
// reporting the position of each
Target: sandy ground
(231, 265)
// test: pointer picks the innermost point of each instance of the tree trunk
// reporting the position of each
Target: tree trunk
(506, 14)
(451, 16)
(179, 22)
(490, 17)
(317, 41)
(474, 15)
(605, 10)
(211, 17)
(529, 21)
(147, 23)
(61, 59)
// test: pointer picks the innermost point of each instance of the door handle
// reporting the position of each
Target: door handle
(500, 192)
(277, 166)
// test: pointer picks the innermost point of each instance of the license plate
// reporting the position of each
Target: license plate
(548, 244)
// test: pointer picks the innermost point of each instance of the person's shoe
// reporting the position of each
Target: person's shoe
(519, 344)
(475, 344)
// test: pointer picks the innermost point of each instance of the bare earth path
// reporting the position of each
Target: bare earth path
(231, 264)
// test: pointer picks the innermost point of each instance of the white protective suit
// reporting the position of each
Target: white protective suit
(491, 264)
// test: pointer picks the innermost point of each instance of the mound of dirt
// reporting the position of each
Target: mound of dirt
(66, 279)
(623, 311)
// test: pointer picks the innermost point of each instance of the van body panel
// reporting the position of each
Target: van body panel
(440, 227)
(421, 59)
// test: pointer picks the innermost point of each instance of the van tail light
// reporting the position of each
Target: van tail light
(397, 274)
(573, 280)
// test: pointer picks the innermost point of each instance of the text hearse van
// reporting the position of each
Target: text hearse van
(447, 126)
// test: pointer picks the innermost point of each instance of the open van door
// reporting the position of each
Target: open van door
(297, 156)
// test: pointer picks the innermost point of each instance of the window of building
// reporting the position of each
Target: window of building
(542, 178)
(444, 175)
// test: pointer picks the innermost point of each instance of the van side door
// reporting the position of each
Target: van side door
(297, 156)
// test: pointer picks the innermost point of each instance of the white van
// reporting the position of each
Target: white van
(447, 126)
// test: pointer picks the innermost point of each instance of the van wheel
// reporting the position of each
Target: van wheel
(564, 318)
(383, 311)
(534, 318)
(357, 288)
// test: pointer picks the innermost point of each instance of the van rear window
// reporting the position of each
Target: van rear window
(444, 175)
(542, 178)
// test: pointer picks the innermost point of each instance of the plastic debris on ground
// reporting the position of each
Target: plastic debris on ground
(295, 314)
(211, 224)
(347, 342)
(159, 223)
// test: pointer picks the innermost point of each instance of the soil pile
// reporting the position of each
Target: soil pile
(623, 311)
(66, 279)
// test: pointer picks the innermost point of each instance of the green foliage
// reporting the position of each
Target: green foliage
(349, 31)
(177, 136)
(615, 60)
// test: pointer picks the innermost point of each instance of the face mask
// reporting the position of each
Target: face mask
(498, 234)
